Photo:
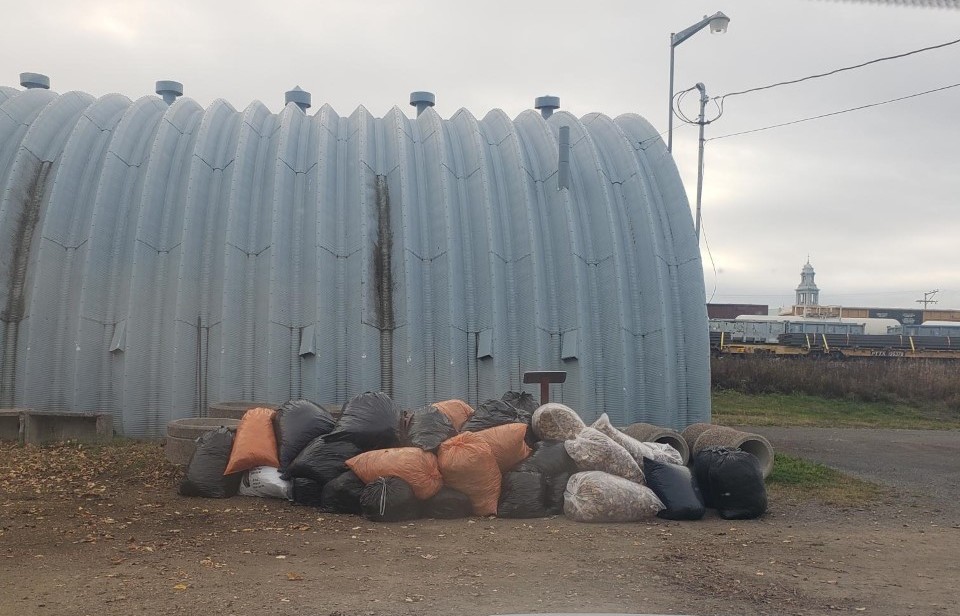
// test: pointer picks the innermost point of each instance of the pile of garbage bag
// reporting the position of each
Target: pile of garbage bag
(508, 457)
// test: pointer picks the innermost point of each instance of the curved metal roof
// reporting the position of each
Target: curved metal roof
(154, 259)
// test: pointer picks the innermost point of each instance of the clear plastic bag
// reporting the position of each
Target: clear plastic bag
(556, 422)
(595, 496)
(593, 450)
(638, 449)
(665, 453)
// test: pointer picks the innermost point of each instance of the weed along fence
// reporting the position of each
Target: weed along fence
(512, 457)
(161, 258)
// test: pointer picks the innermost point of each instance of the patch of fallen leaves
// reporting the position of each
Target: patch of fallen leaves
(81, 471)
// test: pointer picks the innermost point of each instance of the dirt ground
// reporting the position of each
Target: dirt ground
(104, 532)
(922, 464)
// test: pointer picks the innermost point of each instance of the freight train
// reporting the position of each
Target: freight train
(832, 339)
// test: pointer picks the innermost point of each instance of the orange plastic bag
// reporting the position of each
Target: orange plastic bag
(468, 465)
(506, 443)
(457, 411)
(255, 443)
(412, 464)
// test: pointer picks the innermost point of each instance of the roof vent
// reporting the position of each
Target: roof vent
(301, 98)
(34, 80)
(169, 90)
(546, 105)
(422, 100)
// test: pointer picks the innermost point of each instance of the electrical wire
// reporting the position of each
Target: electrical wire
(657, 136)
(834, 113)
(706, 243)
(678, 101)
(840, 70)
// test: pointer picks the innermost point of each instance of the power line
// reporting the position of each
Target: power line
(839, 70)
(657, 136)
(712, 263)
(834, 113)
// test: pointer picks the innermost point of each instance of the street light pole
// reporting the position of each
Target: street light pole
(701, 120)
(718, 23)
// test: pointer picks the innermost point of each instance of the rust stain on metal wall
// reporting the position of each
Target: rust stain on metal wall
(383, 276)
(15, 308)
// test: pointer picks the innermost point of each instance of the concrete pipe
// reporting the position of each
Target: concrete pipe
(719, 436)
(182, 435)
(692, 432)
(236, 409)
(650, 433)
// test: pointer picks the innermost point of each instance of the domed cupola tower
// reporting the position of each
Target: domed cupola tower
(807, 292)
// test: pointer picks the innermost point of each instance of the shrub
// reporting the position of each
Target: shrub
(915, 382)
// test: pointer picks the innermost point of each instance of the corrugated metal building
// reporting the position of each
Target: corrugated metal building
(155, 258)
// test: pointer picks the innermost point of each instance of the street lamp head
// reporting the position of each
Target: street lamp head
(718, 22)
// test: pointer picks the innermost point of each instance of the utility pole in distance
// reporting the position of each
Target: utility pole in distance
(927, 298)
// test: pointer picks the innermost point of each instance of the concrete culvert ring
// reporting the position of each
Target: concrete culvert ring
(650, 433)
(720, 436)
(692, 432)
(193, 427)
(182, 435)
(234, 409)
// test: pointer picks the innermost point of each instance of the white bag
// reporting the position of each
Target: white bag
(265, 482)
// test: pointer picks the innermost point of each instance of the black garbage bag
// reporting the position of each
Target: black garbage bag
(389, 499)
(447, 504)
(205, 472)
(521, 400)
(369, 421)
(553, 496)
(493, 413)
(522, 496)
(307, 492)
(296, 423)
(322, 461)
(341, 495)
(549, 458)
(425, 428)
(675, 486)
(736, 481)
(702, 462)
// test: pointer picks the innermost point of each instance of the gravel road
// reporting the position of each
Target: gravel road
(923, 463)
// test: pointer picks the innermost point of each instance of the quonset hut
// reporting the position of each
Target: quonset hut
(156, 257)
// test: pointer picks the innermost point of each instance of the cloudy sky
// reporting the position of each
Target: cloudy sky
(872, 196)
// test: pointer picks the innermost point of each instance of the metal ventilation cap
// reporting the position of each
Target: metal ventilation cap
(422, 100)
(546, 105)
(299, 97)
(169, 90)
(34, 80)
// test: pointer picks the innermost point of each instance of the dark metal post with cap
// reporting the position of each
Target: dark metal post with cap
(545, 377)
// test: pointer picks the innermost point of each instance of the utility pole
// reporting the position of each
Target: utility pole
(701, 121)
(927, 298)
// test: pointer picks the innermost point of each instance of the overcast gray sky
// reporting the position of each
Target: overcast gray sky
(872, 196)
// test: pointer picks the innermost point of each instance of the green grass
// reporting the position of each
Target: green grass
(809, 480)
(733, 408)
